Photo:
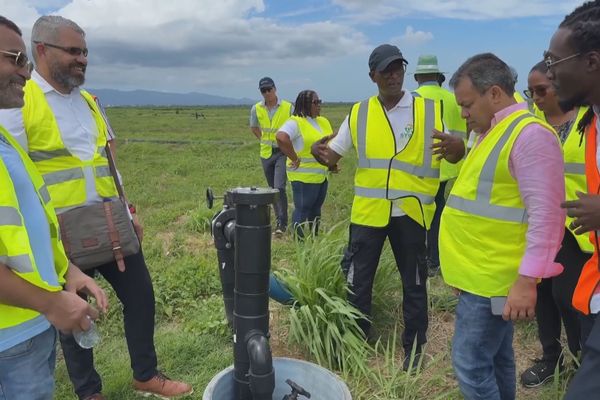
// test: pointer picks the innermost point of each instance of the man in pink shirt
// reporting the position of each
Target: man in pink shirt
(502, 225)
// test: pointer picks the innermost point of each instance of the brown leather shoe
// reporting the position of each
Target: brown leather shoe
(162, 387)
(95, 396)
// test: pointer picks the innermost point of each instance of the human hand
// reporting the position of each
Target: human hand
(451, 148)
(294, 164)
(78, 282)
(319, 150)
(520, 303)
(335, 169)
(585, 210)
(68, 312)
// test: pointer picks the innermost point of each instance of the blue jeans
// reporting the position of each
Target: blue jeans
(482, 352)
(308, 200)
(27, 369)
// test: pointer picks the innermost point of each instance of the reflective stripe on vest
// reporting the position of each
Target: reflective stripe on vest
(482, 205)
(63, 172)
(15, 247)
(408, 177)
(309, 171)
(575, 168)
(391, 194)
(418, 170)
(270, 126)
(589, 279)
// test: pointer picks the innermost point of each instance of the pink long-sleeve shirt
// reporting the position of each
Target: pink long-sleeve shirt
(536, 163)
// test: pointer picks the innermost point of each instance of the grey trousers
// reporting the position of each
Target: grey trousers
(274, 168)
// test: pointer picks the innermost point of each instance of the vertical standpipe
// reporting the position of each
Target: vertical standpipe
(254, 377)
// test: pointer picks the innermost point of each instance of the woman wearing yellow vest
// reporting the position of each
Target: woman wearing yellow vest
(554, 294)
(307, 176)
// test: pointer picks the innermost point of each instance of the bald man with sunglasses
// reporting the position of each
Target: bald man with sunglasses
(62, 128)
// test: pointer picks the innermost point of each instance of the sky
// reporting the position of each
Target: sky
(223, 47)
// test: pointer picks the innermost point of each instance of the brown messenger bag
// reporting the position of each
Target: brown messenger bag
(100, 233)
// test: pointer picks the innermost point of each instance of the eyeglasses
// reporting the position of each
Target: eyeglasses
(550, 63)
(317, 102)
(266, 90)
(21, 59)
(74, 51)
(541, 91)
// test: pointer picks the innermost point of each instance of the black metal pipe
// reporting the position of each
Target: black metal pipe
(261, 373)
(251, 293)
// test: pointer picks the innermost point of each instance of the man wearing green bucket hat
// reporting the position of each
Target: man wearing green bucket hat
(430, 79)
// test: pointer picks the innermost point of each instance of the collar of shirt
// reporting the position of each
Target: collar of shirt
(404, 102)
(505, 112)
(47, 87)
(277, 104)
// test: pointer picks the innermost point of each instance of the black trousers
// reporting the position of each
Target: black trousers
(134, 289)
(434, 229)
(407, 239)
(586, 385)
(554, 301)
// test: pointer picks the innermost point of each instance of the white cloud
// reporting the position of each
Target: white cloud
(412, 37)
(381, 10)
(183, 45)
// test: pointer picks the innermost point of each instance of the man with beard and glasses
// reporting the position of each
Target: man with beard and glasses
(64, 133)
(38, 285)
(397, 178)
(573, 60)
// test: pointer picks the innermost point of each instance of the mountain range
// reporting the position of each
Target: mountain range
(114, 97)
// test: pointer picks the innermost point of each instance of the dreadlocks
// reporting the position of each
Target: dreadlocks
(303, 103)
(584, 24)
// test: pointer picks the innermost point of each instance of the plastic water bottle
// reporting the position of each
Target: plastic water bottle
(87, 339)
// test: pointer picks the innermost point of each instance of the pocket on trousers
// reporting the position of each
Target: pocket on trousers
(17, 350)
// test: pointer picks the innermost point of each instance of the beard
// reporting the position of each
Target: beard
(569, 104)
(63, 75)
(11, 94)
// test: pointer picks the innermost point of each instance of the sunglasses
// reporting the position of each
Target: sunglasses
(541, 91)
(266, 90)
(20, 58)
(317, 102)
(74, 51)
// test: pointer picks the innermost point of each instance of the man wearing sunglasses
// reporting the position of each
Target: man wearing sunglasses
(396, 181)
(34, 269)
(573, 61)
(266, 117)
(61, 127)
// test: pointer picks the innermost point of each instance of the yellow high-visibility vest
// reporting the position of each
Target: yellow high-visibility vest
(62, 171)
(310, 171)
(484, 224)
(453, 122)
(269, 127)
(385, 174)
(15, 248)
(574, 154)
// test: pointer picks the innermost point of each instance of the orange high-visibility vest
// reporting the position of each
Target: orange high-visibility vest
(590, 275)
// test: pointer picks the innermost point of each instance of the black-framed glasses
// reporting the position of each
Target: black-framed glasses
(20, 58)
(541, 91)
(266, 89)
(317, 102)
(551, 63)
(74, 51)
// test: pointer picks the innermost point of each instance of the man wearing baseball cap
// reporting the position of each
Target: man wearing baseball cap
(428, 76)
(399, 144)
(266, 117)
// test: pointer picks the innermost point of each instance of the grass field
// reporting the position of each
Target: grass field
(168, 157)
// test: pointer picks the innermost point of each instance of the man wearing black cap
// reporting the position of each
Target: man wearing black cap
(396, 181)
(266, 117)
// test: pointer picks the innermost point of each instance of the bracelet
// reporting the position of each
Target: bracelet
(131, 208)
